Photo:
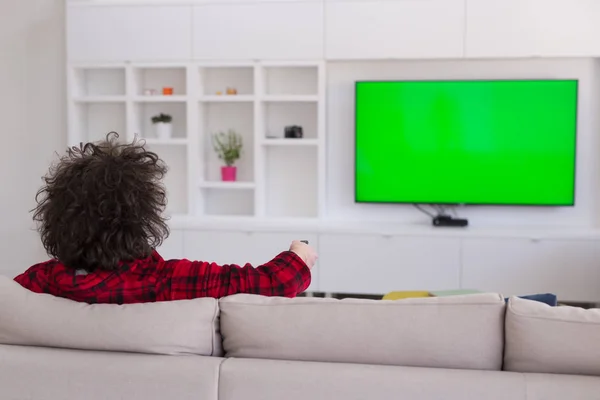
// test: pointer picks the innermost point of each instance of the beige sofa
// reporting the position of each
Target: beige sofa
(251, 347)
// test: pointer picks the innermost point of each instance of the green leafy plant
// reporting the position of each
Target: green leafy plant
(165, 118)
(228, 146)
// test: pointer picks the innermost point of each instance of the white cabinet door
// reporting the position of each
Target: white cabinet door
(228, 247)
(568, 268)
(107, 33)
(282, 30)
(526, 28)
(394, 29)
(375, 264)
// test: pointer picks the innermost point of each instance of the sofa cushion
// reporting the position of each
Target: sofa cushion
(38, 373)
(178, 327)
(561, 340)
(294, 380)
(449, 332)
(561, 387)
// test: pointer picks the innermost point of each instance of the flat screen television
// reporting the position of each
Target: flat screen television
(483, 142)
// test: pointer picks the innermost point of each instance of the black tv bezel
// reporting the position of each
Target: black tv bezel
(571, 204)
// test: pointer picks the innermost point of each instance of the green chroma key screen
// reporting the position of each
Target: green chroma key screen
(506, 142)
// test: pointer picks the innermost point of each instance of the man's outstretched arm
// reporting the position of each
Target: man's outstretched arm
(288, 274)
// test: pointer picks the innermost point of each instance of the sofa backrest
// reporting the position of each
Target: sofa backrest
(463, 332)
(178, 327)
(558, 340)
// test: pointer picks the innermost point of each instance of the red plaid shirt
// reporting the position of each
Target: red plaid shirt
(154, 279)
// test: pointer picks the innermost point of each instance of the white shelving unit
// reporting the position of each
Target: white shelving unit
(277, 178)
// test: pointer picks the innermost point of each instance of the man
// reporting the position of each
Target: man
(100, 218)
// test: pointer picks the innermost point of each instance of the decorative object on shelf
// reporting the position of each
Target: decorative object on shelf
(219, 93)
(228, 147)
(293, 132)
(167, 91)
(149, 92)
(231, 90)
(163, 126)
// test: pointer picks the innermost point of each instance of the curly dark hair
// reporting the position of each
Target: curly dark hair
(102, 204)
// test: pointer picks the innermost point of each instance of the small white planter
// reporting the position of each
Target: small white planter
(164, 130)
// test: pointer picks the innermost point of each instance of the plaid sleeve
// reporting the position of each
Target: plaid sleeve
(286, 275)
(30, 278)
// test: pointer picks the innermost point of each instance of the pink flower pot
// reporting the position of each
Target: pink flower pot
(228, 174)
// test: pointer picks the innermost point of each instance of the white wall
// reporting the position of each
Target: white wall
(340, 138)
(32, 110)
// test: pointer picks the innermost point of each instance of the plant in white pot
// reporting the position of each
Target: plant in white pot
(163, 126)
(229, 149)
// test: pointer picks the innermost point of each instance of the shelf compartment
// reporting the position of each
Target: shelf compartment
(292, 179)
(291, 80)
(220, 117)
(98, 82)
(227, 185)
(175, 181)
(279, 115)
(144, 112)
(156, 78)
(225, 202)
(95, 120)
(218, 79)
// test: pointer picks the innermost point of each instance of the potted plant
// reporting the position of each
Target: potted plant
(163, 126)
(228, 147)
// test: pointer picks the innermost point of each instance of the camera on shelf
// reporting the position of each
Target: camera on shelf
(293, 132)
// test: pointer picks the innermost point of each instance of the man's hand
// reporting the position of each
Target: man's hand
(305, 252)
